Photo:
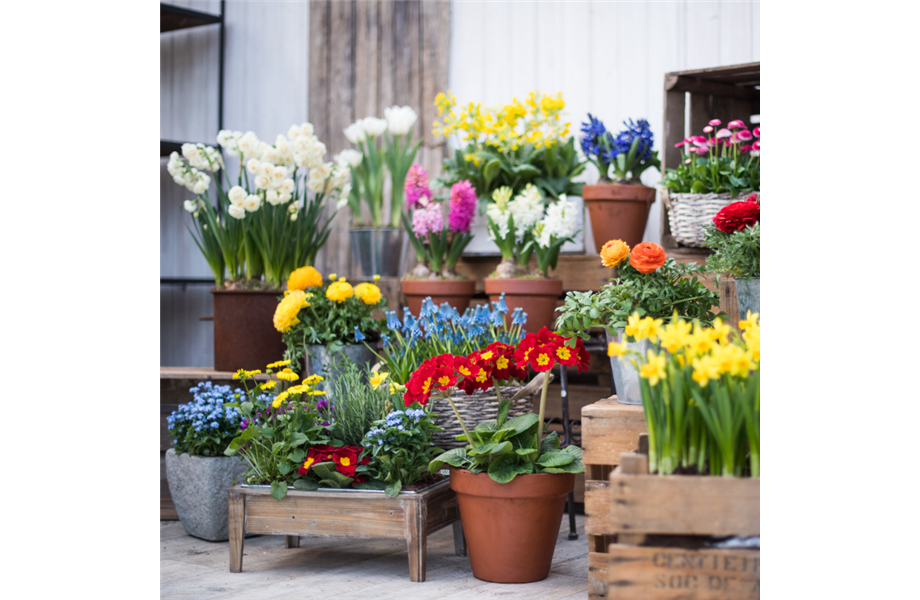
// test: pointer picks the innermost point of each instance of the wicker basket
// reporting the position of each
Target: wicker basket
(481, 406)
(687, 213)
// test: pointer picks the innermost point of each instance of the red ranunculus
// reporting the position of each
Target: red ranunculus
(738, 215)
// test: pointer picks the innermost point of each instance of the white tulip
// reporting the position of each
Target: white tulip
(355, 133)
(261, 182)
(253, 165)
(236, 195)
(191, 205)
(400, 119)
(348, 158)
(252, 203)
(237, 212)
(373, 126)
(288, 186)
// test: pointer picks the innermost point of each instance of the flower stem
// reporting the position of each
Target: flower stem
(462, 424)
(542, 408)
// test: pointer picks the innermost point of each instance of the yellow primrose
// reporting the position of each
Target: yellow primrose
(654, 370)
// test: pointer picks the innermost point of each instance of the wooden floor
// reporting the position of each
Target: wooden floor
(343, 568)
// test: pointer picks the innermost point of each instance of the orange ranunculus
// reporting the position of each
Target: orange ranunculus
(614, 252)
(647, 257)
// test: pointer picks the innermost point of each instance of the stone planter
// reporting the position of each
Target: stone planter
(198, 485)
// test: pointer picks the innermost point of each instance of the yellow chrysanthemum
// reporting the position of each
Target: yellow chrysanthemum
(303, 278)
(268, 385)
(340, 291)
(318, 393)
(653, 370)
(377, 379)
(287, 375)
(368, 293)
(286, 312)
(675, 335)
(278, 363)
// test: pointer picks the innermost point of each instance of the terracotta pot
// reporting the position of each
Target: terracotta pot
(536, 297)
(456, 292)
(244, 336)
(618, 212)
(511, 528)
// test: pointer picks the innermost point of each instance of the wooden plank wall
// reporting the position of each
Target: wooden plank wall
(368, 55)
(608, 58)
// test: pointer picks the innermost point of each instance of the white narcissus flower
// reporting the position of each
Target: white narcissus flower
(293, 216)
(262, 182)
(348, 158)
(340, 176)
(288, 186)
(237, 195)
(306, 129)
(202, 185)
(316, 182)
(293, 132)
(373, 126)
(279, 174)
(284, 197)
(345, 191)
(301, 159)
(315, 155)
(270, 154)
(400, 119)
(237, 212)
(302, 143)
(189, 151)
(273, 197)
(355, 133)
(253, 165)
(252, 203)
(266, 169)
(249, 145)
(191, 205)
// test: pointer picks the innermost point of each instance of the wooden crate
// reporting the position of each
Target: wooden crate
(725, 93)
(609, 429)
(345, 513)
(645, 513)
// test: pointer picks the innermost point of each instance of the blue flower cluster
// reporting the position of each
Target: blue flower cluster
(623, 141)
(479, 326)
(396, 422)
(596, 140)
(205, 426)
(602, 147)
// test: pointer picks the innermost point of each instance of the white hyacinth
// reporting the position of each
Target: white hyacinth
(237, 212)
(354, 133)
(237, 195)
(348, 158)
(499, 212)
(560, 222)
(527, 209)
(400, 119)
(373, 126)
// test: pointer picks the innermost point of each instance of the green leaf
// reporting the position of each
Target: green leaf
(329, 483)
(526, 453)
(297, 438)
(324, 470)
(284, 467)
(296, 456)
(456, 457)
(573, 450)
(392, 490)
(279, 490)
(555, 459)
(277, 446)
(505, 468)
(523, 422)
(305, 483)
(504, 405)
(550, 443)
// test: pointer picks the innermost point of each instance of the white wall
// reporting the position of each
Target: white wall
(608, 58)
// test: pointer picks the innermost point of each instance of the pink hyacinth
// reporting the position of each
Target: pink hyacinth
(427, 220)
(462, 206)
(715, 122)
(736, 124)
(757, 131)
(745, 135)
(416, 187)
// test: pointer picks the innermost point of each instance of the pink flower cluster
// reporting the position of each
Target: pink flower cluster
(416, 187)
(427, 219)
(701, 145)
(462, 206)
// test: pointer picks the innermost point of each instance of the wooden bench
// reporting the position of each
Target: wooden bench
(345, 513)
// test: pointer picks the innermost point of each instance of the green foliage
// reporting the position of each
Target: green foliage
(356, 405)
(729, 171)
(735, 253)
(400, 448)
(507, 448)
(673, 286)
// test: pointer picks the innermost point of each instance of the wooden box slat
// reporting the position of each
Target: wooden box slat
(350, 517)
(610, 429)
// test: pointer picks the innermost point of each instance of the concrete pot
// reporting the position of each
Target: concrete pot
(511, 528)
(456, 292)
(198, 486)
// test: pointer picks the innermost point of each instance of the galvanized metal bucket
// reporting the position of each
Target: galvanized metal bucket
(329, 365)
(748, 291)
(378, 251)
(625, 374)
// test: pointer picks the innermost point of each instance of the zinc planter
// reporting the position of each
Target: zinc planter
(748, 291)
(377, 251)
(536, 297)
(198, 486)
(511, 528)
(618, 212)
(456, 292)
(625, 374)
(244, 336)
(328, 365)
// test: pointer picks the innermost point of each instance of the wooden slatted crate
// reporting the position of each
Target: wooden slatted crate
(609, 429)
(660, 523)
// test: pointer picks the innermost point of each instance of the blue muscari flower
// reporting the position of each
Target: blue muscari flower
(495, 319)
(392, 321)
(516, 316)
(444, 312)
(386, 340)
(502, 307)
(410, 320)
(415, 333)
(358, 335)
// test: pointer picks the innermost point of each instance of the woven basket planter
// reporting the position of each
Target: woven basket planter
(687, 213)
(479, 407)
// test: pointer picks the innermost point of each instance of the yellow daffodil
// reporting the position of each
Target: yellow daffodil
(719, 330)
(751, 338)
(751, 320)
(378, 378)
(704, 369)
(675, 334)
(616, 349)
(653, 370)
(700, 342)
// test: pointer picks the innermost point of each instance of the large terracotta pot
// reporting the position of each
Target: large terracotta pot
(244, 336)
(618, 212)
(536, 297)
(456, 292)
(511, 528)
